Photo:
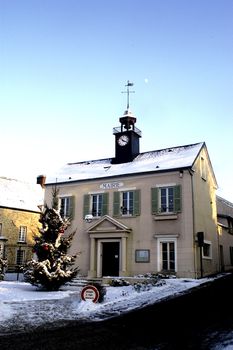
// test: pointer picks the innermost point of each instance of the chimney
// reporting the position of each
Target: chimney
(41, 180)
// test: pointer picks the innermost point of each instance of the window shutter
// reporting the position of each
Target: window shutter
(105, 204)
(136, 202)
(177, 198)
(86, 205)
(154, 200)
(71, 207)
(116, 203)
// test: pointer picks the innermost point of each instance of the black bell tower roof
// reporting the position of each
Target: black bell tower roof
(127, 120)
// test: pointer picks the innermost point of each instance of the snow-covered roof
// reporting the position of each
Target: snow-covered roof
(20, 195)
(153, 161)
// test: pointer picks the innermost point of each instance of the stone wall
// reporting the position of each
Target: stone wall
(11, 220)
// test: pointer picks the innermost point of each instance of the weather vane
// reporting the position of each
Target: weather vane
(128, 92)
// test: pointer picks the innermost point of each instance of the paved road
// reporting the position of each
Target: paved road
(180, 323)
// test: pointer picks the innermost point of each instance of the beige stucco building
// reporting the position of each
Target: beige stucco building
(141, 212)
(225, 230)
(19, 215)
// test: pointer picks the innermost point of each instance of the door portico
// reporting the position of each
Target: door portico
(108, 248)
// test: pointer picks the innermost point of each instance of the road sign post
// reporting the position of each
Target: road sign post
(90, 292)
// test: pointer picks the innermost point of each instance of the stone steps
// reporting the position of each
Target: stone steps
(81, 282)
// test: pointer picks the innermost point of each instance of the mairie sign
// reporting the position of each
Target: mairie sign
(111, 185)
(90, 292)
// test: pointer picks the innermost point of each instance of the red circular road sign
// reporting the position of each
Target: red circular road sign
(90, 293)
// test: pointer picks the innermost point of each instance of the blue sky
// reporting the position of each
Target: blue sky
(64, 63)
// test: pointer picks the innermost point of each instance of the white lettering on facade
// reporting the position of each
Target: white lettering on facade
(111, 185)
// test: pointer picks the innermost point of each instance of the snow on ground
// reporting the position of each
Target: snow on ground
(23, 305)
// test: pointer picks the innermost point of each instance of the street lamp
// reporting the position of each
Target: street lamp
(89, 218)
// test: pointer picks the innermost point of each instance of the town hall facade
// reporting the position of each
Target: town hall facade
(138, 213)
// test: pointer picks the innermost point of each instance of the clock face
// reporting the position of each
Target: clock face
(123, 140)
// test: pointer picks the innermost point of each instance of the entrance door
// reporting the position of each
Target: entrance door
(110, 259)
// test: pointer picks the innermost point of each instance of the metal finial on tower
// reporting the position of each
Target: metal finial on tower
(128, 92)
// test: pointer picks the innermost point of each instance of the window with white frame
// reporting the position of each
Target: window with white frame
(166, 199)
(66, 204)
(167, 254)
(22, 234)
(207, 250)
(126, 203)
(95, 204)
(20, 256)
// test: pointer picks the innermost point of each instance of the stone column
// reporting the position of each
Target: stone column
(92, 271)
(123, 254)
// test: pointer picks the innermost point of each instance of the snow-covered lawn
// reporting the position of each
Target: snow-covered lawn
(23, 305)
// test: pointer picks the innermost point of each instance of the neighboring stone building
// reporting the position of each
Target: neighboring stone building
(142, 212)
(19, 215)
(225, 227)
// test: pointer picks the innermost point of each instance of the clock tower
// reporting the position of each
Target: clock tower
(126, 139)
(126, 136)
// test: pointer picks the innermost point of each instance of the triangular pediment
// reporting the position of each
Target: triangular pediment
(108, 224)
